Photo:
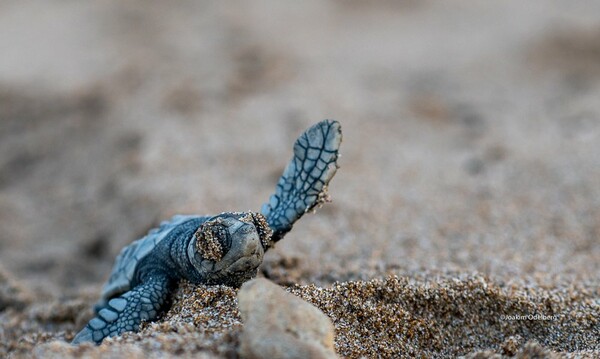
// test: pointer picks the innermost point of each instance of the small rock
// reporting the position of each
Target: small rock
(278, 324)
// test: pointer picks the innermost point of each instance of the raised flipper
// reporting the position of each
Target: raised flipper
(303, 184)
(126, 312)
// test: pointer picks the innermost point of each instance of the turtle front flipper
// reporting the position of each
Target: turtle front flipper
(126, 312)
(303, 184)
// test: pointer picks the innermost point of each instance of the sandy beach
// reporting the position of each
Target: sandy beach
(465, 216)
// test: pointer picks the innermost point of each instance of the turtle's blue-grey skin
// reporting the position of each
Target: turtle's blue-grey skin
(224, 249)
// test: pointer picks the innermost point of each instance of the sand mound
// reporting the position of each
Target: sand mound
(438, 315)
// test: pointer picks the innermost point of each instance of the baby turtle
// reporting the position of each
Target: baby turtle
(224, 249)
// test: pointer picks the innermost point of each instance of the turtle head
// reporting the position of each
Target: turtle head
(229, 248)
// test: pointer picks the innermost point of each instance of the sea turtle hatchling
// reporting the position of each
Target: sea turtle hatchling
(224, 249)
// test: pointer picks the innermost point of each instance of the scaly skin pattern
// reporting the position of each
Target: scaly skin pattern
(224, 249)
(305, 179)
(155, 277)
(126, 312)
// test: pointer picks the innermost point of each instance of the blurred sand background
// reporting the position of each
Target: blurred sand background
(471, 136)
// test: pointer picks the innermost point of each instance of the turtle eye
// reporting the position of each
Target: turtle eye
(265, 233)
(212, 240)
